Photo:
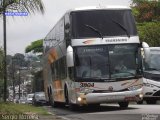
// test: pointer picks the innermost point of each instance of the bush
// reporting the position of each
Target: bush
(11, 108)
(149, 32)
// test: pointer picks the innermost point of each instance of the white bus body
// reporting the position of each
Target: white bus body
(101, 37)
(151, 89)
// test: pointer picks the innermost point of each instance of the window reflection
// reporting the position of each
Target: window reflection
(107, 62)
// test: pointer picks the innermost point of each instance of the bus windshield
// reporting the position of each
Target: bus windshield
(101, 23)
(153, 63)
(104, 62)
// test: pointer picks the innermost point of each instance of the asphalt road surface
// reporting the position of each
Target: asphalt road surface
(110, 112)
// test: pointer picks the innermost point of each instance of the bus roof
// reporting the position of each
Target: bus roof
(115, 7)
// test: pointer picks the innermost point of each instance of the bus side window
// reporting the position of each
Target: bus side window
(53, 71)
(67, 29)
(62, 67)
(70, 72)
(57, 70)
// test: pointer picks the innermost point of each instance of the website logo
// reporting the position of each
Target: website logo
(150, 117)
(16, 13)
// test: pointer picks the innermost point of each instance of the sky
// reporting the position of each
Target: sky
(21, 31)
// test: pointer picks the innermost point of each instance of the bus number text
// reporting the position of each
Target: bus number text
(86, 84)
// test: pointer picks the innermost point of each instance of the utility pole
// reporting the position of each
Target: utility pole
(5, 52)
(19, 83)
(13, 78)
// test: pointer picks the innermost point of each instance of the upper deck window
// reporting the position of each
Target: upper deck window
(102, 23)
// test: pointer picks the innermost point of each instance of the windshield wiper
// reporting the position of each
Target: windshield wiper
(94, 29)
(121, 26)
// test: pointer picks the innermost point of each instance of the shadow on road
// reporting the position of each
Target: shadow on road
(64, 110)
(102, 109)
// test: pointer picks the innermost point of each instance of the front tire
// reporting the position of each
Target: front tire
(66, 96)
(123, 104)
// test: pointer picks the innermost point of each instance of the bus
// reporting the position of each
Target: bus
(91, 38)
(151, 75)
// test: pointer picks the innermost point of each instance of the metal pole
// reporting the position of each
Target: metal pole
(19, 85)
(13, 79)
(5, 53)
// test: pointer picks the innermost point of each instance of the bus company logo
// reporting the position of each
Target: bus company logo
(88, 41)
(110, 88)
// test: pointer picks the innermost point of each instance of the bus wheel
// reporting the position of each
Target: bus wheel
(151, 101)
(123, 104)
(53, 103)
(66, 96)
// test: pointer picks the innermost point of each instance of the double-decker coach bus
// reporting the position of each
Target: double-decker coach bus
(88, 39)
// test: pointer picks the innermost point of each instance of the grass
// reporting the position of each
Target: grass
(12, 108)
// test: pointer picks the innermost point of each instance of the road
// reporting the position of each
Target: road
(110, 112)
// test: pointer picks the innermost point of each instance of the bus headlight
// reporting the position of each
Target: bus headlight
(79, 99)
(141, 95)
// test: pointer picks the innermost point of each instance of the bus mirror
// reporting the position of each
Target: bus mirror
(70, 62)
(145, 45)
(146, 51)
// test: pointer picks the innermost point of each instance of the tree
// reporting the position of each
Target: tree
(11, 6)
(150, 33)
(30, 6)
(146, 10)
(38, 82)
(36, 47)
(147, 14)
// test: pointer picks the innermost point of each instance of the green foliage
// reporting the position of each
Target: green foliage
(146, 11)
(22, 5)
(147, 14)
(11, 108)
(38, 83)
(1, 63)
(8, 59)
(135, 12)
(150, 33)
(36, 47)
(18, 59)
(1, 89)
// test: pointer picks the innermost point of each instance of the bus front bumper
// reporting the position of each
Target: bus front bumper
(92, 98)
